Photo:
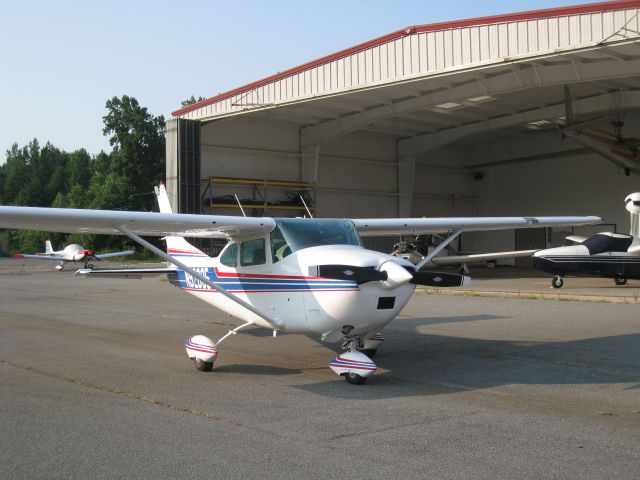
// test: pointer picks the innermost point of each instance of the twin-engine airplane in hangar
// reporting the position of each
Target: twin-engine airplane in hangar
(298, 275)
(71, 253)
(606, 254)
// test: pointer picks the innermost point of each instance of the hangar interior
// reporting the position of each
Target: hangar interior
(466, 118)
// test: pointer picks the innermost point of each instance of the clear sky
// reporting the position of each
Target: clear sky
(61, 60)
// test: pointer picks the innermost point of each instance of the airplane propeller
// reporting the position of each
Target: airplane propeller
(391, 274)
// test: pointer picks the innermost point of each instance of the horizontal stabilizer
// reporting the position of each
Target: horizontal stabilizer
(114, 254)
(576, 238)
(125, 272)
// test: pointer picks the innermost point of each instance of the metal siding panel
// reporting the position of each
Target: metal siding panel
(473, 46)
(338, 74)
(503, 40)
(585, 29)
(375, 64)
(384, 61)
(542, 27)
(523, 38)
(563, 32)
(368, 66)
(415, 54)
(423, 62)
(456, 47)
(512, 29)
(607, 24)
(391, 60)
(574, 29)
(618, 20)
(347, 72)
(447, 53)
(492, 47)
(398, 59)
(532, 36)
(362, 69)
(431, 52)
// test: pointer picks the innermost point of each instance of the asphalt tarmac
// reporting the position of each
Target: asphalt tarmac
(95, 383)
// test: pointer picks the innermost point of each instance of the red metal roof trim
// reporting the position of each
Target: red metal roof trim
(510, 17)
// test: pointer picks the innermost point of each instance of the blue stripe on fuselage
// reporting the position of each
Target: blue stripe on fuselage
(260, 284)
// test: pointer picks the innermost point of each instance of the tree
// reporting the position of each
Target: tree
(137, 161)
(191, 101)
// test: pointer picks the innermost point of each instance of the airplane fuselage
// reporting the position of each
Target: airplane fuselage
(301, 301)
(604, 254)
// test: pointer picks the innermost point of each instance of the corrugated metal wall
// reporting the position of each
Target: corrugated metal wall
(421, 54)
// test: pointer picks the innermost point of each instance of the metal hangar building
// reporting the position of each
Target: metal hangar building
(450, 119)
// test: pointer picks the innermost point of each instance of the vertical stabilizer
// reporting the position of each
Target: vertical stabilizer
(47, 247)
(178, 246)
(163, 199)
(632, 204)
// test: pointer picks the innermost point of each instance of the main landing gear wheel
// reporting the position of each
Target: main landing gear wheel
(557, 282)
(620, 281)
(202, 366)
(354, 378)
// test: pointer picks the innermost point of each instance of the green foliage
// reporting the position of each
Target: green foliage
(191, 101)
(120, 180)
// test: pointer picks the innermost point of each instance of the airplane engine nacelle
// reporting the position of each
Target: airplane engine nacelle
(202, 348)
(632, 203)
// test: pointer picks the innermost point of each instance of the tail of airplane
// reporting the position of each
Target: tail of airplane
(47, 247)
(178, 246)
(632, 204)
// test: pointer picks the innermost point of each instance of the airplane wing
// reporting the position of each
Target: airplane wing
(41, 257)
(114, 254)
(70, 220)
(479, 257)
(419, 226)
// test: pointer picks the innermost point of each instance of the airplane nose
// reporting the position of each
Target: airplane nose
(396, 275)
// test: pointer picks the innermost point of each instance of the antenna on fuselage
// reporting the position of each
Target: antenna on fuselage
(305, 206)
(240, 205)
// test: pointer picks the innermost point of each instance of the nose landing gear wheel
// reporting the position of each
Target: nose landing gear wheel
(557, 282)
(620, 281)
(202, 366)
(354, 378)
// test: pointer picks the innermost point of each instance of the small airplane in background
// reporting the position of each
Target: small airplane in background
(298, 275)
(606, 254)
(71, 253)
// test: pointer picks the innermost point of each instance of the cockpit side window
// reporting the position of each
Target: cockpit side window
(601, 243)
(229, 256)
(279, 246)
(252, 252)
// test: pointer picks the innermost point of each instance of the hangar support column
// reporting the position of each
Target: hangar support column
(183, 165)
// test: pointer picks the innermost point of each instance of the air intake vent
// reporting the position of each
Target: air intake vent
(386, 303)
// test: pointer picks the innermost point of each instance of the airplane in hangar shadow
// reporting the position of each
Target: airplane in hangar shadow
(606, 254)
(296, 275)
(71, 253)
(623, 152)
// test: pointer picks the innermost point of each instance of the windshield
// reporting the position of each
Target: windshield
(292, 234)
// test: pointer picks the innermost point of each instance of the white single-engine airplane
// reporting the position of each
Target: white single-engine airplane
(605, 254)
(71, 253)
(297, 275)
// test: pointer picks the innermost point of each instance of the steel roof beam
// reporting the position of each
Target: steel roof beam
(523, 77)
(585, 106)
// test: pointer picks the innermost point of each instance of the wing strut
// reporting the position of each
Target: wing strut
(276, 323)
(438, 249)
